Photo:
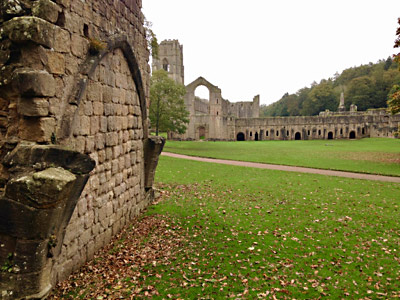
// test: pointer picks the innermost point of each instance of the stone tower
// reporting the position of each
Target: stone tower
(341, 108)
(170, 58)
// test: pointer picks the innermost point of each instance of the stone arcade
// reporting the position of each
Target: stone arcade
(77, 163)
(219, 119)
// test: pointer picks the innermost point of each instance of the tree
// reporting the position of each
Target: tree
(321, 97)
(167, 108)
(394, 100)
(360, 91)
(394, 94)
(152, 42)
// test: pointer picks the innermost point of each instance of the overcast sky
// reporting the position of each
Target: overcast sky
(270, 47)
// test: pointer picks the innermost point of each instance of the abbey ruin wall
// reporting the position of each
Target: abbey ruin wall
(74, 91)
(219, 119)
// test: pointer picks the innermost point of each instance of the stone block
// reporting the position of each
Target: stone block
(94, 125)
(103, 124)
(84, 128)
(100, 142)
(111, 139)
(31, 29)
(62, 41)
(88, 108)
(90, 144)
(33, 107)
(37, 129)
(34, 83)
(79, 45)
(46, 9)
(98, 108)
(55, 63)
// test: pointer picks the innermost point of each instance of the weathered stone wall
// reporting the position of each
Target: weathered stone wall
(75, 74)
(335, 126)
(170, 58)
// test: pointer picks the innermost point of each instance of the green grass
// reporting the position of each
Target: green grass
(223, 232)
(374, 156)
(253, 233)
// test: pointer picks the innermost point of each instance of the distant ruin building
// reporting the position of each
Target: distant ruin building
(220, 119)
(171, 60)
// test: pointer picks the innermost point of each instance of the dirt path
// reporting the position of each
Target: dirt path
(287, 168)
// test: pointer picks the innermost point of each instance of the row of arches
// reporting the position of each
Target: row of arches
(297, 136)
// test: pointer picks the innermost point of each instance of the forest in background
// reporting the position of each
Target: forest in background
(366, 86)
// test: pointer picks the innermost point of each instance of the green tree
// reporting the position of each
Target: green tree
(394, 100)
(394, 94)
(360, 91)
(167, 108)
(152, 42)
(321, 97)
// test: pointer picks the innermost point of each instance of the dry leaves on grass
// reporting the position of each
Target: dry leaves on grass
(119, 271)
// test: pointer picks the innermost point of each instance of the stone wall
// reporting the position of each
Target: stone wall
(170, 58)
(75, 77)
(335, 126)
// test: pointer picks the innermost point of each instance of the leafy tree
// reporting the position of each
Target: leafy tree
(152, 42)
(394, 100)
(394, 94)
(360, 91)
(397, 44)
(167, 108)
(321, 97)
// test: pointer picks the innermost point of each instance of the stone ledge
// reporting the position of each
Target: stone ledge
(32, 29)
(34, 83)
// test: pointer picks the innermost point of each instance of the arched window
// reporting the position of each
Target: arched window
(165, 64)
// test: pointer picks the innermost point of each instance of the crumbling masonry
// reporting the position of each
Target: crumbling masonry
(76, 162)
(219, 119)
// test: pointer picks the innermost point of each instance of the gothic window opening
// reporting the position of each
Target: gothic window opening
(165, 64)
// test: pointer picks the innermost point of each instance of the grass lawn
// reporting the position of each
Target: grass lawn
(375, 156)
(242, 233)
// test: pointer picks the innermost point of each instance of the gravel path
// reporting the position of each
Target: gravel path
(287, 168)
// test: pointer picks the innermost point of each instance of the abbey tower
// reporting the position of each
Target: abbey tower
(170, 58)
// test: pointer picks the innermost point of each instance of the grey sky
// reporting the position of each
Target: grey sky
(273, 47)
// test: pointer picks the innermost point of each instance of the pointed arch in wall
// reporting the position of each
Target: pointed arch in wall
(87, 71)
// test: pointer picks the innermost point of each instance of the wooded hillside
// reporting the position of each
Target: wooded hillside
(367, 86)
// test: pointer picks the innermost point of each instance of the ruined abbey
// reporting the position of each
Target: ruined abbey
(76, 161)
(218, 119)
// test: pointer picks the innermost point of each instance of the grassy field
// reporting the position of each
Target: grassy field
(231, 232)
(374, 156)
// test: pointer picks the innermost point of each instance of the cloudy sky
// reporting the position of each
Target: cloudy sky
(270, 47)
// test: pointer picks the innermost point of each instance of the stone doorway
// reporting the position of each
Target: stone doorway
(297, 136)
(240, 136)
(202, 133)
(352, 135)
(330, 135)
(256, 136)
